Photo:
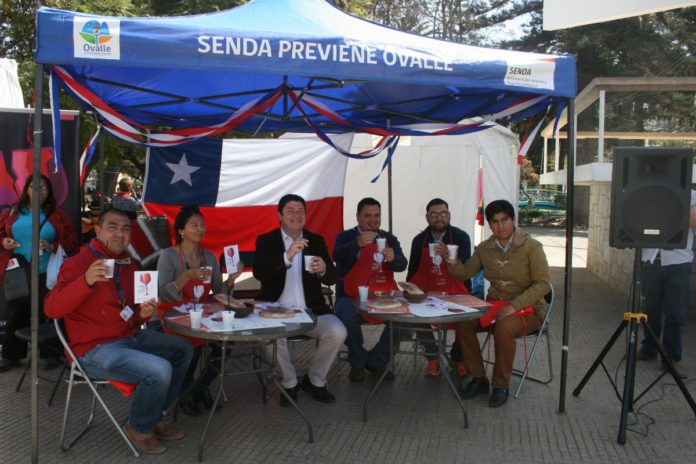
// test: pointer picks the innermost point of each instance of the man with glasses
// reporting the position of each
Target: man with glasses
(360, 262)
(427, 270)
(280, 267)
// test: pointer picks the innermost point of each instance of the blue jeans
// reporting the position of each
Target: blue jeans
(666, 292)
(156, 362)
(358, 356)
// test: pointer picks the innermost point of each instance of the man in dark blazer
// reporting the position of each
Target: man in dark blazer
(279, 265)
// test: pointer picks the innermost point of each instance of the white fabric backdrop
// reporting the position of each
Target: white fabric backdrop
(429, 167)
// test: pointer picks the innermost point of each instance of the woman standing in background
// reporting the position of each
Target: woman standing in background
(15, 235)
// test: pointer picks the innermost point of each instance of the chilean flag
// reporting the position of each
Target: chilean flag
(237, 184)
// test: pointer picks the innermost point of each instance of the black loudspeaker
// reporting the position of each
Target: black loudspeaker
(650, 197)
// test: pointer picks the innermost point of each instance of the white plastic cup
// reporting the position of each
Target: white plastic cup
(209, 271)
(381, 244)
(308, 260)
(452, 251)
(196, 318)
(363, 292)
(109, 263)
(431, 249)
(228, 320)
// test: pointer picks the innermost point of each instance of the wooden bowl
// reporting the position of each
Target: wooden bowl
(415, 297)
(241, 312)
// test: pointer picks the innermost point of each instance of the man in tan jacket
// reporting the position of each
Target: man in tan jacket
(515, 265)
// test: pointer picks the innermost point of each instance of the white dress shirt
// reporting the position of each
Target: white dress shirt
(293, 293)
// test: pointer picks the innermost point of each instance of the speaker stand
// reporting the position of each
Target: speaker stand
(633, 319)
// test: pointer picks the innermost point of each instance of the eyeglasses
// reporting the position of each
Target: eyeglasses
(441, 214)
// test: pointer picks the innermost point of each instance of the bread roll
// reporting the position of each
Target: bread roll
(410, 288)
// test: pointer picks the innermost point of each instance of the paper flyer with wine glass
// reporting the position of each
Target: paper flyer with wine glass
(231, 258)
(145, 288)
(197, 294)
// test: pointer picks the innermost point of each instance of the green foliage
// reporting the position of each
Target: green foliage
(541, 217)
(662, 44)
(528, 174)
(187, 7)
(362, 8)
(529, 215)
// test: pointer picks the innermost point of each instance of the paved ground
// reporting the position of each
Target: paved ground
(413, 419)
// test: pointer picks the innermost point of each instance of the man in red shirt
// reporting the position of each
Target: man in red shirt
(102, 325)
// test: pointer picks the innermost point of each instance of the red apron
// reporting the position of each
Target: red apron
(369, 271)
(187, 293)
(432, 275)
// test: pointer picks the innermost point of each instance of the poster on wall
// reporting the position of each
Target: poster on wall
(16, 165)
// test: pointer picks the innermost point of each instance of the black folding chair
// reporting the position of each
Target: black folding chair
(46, 335)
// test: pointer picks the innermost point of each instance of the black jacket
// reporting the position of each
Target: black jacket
(270, 270)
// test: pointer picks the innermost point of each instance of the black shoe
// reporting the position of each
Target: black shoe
(477, 386)
(321, 394)
(284, 402)
(498, 397)
(203, 396)
(379, 370)
(7, 364)
(48, 364)
(356, 374)
(188, 405)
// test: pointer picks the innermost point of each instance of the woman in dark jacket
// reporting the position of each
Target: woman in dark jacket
(16, 239)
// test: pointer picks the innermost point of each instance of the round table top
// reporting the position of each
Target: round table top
(172, 318)
(411, 319)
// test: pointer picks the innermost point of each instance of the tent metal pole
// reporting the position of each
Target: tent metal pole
(389, 195)
(389, 188)
(102, 189)
(35, 208)
(570, 206)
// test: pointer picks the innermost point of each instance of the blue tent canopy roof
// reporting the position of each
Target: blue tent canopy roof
(197, 70)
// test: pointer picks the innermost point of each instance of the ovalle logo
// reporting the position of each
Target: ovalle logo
(97, 38)
(95, 33)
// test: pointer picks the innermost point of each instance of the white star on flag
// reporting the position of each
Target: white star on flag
(182, 171)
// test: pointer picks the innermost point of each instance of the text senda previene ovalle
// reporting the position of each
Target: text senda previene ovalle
(316, 51)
